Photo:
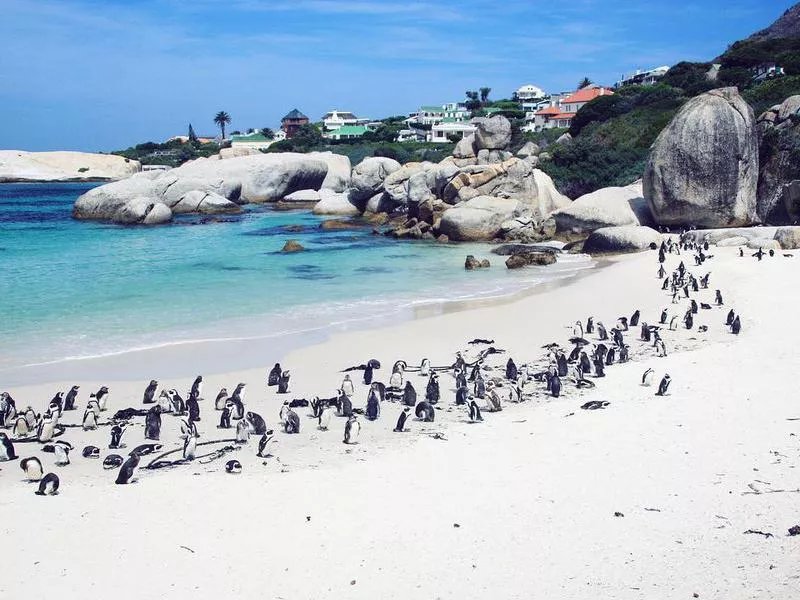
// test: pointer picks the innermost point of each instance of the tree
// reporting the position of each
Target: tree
(192, 134)
(485, 91)
(473, 102)
(268, 133)
(585, 82)
(222, 119)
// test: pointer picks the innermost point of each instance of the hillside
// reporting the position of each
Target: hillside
(787, 26)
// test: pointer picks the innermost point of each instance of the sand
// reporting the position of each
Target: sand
(520, 506)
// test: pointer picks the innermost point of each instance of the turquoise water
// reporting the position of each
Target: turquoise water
(75, 289)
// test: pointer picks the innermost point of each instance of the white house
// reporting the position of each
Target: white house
(529, 92)
(335, 119)
(254, 141)
(643, 77)
(441, 132)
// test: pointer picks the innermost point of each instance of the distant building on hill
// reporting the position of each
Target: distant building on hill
(292, 122)
(335, 119)
(528, 93)
(443, 131)
(348, 132)
(642, 77)
(767, 71)
(561, 112)
(254, 140)
(431, 114)
(203, 139)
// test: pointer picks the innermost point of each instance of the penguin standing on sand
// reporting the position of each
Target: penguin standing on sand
(461, 379)
(730, 318)
(221, 399)
(352, 429)
(116, 436)
(46, 429)
(561, 364)
(264, 443)
(89, 420)
(511, 370)
(152, 423)
(461, 396)
(291, 423)
(324, 419)
(345, 405)
(584, 363)
(197, 388)
(718, 298)
(274, 376)
(425, 367)
(635, 318)
(242, 432)
(150, 392)
(8, 409)
(48, 485)
(190, 445)
(283, 384)
(368, 375)
(409, 395)
(237, 402)
(256, 423)
(32, 467)
(69, 399)
(425, 412)
(555, 386)
(663, 386)
(347, 386)
(479, 389)
(128, 469)
(373, 406)
(401, 420)
(57, 403)
(101, 396)
(736, 325)
(475, 412)
(6, 448)
(432, 392)
(193, 407)
(21, 429)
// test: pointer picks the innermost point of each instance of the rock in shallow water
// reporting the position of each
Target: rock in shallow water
(524, 259)
(292, 246)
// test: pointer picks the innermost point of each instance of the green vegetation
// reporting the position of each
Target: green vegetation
(83, 169)
(773, 92)
(173, 153)
(222, 119)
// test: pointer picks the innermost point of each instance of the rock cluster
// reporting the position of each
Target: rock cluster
(779, 179)
(21, 166)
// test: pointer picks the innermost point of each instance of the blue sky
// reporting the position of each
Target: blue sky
(105, 74)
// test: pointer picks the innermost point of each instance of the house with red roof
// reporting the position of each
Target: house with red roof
(564, 110)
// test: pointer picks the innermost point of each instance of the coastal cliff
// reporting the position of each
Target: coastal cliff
(18, 166)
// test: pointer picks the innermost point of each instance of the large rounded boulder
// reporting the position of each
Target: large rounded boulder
(368, 177)
(621, 239)
(479, 219)
(492, 133)
(608, 207)
(703, 168)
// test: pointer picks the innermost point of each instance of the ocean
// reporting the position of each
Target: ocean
(74, 290)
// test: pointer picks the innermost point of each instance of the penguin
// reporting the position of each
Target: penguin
(624, 354)
(324, 419)
(562, 364)
(401, 420)
(396, 380)
(688, 320)
(61, 449)
(373, 411)
(164, 402)
(89, 420)
(511, 370)
(409, 395)
(46, 429)
(190, 446)
(222, 398)
(145, 449)
(283, 384)
(661, 349)
(116, 435)
(291, 424)
(479, 389)
(599, 368)
(274, 376)
(495, 404)
(21, 429)
(31, 418)
(475, 372)
(352, 429)
(6, 448)
(345, 405)
(193, 406)
(197, 388)
(432, 392)
(461, 396)
(57, 403)
(584, 363)
(460, 365)
(673, 324)
(112, 461)
(602, 334)
(368, 375)
(623, 321)
(474, 412)
(425, 367)
(555, 386)
(731, 316)
(718, 298)
(347, 386)
(234, 467)
(610, 356)
(94, 406)
(8, 409)
(635, 318)
(237, 402)
(577, 330)
(127, 470)
(32, 467)
(90, 452)
(178, 404)
(242, 432)
(101, 396)
(663, 386)
(400, 366)
(736, 325)
(257, 424)
(263, 444)
(69, 399)
(461, 379)
(48, 486)
(150, 392)
(694, 306)
(424, 411)
(152, 423)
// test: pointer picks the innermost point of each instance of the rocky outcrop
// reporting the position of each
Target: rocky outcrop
(788, 237)
(608, 207)
(339, 171)
(528, 150)
(492, 133)
(411, 183)
(204, 202)
(292, 246)
(333, 203)
(526, 259)
(716, 236)
(479, 219)
(465, 148)
(471, 263)
(142, 211)
(779, 177)
(368, 177)
(703, 167)
(299, 199)
(21, 166)
(621, 239)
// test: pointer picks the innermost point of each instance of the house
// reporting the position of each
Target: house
(347, 132)
(411, 135)
(430, 114)
(528, 93)
(335, 119)
(457, 111)
(767, 71)
(254, 141)
(441, 132)
(562, 113)
(642, 77)
(292, 122)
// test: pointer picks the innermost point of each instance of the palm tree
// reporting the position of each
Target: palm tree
(221, 120)
(485, 91)
(585, 82)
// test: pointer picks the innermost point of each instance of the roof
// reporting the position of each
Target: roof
(350, 130)
(531, 89)
(493, 109)
(250, 137)
(341, 114)
(586, 95)
(550, 110)
(563, 115)
(294, 114)
(431, 108)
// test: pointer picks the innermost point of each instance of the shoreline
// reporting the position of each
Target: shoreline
(170, 359)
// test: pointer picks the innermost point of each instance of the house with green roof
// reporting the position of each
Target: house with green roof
(254, 140)
(347, 132)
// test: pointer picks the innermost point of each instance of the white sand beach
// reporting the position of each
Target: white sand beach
(521, 505)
